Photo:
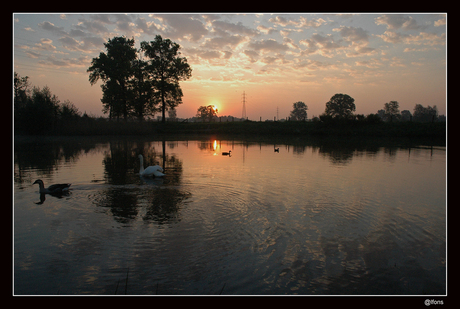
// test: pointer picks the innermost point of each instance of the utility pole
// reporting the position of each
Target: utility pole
(244, 106)
(277, 114)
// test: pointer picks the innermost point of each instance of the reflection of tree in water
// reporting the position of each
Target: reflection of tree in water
(206, 145)
(121, 166)
(119, 162)
(121, 202)
(165, 205)
(46, 156)
(341, 152)
(340, 156)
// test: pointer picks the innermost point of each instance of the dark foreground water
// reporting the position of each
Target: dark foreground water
(314, 218)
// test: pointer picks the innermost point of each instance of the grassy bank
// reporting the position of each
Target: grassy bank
(436, 130)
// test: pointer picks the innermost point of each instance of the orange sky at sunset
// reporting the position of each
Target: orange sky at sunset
(276, 59)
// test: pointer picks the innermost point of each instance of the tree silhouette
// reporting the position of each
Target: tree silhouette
(115, 69)
(299, 111)
(206, 112)
(340, 106)
(391, 110)
(166, 68)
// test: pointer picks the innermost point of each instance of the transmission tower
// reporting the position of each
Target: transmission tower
(244, 106)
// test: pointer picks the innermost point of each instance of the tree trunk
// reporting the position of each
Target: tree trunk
(163, 107)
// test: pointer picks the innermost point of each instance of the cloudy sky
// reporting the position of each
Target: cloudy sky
(276, 59)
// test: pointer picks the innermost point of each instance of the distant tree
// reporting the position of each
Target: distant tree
(299, 111)
(172, 114)
(391, 110)
(425, 114)
(21, 90)
(406, 115)
(68, 111)
(206, 112)
(340, 106)
(373, 118)
(166, 68)
(115, 69)
(40, 113)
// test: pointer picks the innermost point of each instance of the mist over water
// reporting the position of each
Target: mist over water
(323, 218)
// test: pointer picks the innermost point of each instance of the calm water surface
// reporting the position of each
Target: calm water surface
(314, 218)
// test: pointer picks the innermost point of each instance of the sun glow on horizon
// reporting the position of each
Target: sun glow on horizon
(214, 107)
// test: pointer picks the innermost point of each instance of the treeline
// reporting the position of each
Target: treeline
(39, 111)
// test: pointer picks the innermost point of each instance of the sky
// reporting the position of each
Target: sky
(275, 59)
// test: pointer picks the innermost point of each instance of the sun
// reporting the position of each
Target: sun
(215, 107)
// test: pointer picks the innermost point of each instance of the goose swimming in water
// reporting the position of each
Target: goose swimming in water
(154, 170)
(53, 189)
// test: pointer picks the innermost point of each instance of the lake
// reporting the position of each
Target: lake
(323, 217)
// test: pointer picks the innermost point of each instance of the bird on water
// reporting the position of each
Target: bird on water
(154, 170)
(59, 188)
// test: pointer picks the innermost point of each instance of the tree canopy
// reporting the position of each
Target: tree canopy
(392, 110)
(115, 69)
(134, 87)
(299, 111)
(166, 68)
(340, 106)
(206, 112)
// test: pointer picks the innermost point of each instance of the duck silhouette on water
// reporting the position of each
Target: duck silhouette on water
(57, 190)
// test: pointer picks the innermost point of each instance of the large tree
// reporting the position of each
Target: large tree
(340, 106)
(299, 111)
(391, 110)
(115, 69)
(166, 68)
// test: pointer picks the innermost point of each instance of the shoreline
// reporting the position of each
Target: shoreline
(432, 133)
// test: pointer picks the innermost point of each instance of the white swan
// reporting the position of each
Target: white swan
(154, 170)
(53, 189)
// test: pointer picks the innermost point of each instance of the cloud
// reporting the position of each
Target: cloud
(221, 42)
(51, 60)
(269, 45)
(440, 22)
(197, 55)
(86, 45)
(92, 26)
(183, 27)
(397, 21)
(424, 38)
(392, 37)
(45, 44)
(302, 22)
(266, 30)
(312, 65)
(321, 44)
(238, 28)
(370, 64)
(46, 25)
(252, 55)
(353, 34)
(282, 21)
